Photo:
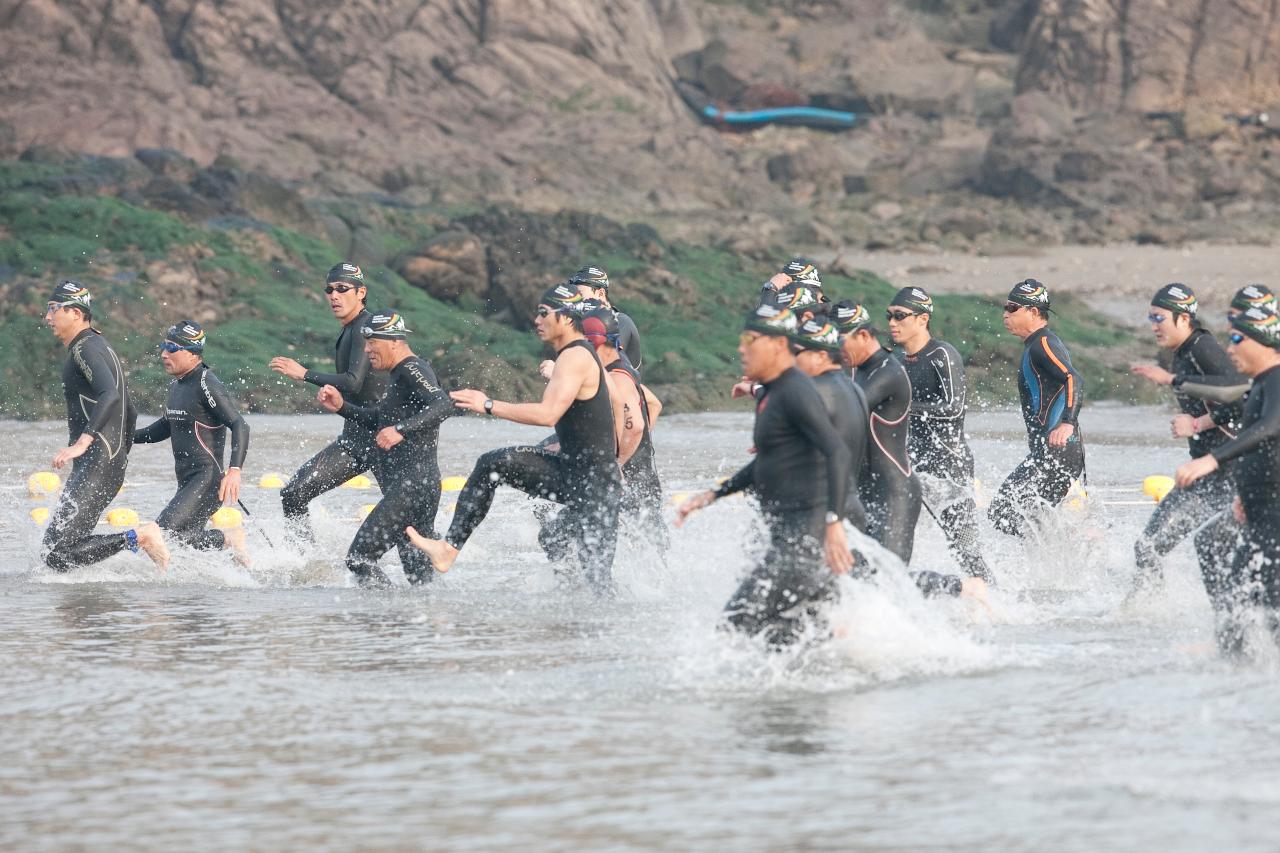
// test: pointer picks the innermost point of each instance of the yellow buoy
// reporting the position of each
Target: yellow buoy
(452, 484)
(359, 481)
(1075, 504)
(1157, 486)
(43, 483)
(40, 514)
(270, 481)
(122, 517)
(366, 509)
(679, 498)
(227, 518)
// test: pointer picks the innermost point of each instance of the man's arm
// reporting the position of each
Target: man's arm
(153, 433)
(1051, 357)
(655, 405)
(353, 378)
(439, 406)
(102, 372)
(810, 416)
(951, 388)
(574, 368)
(627, 418)
(226, 413)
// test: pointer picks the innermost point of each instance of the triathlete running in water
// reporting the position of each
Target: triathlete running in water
(354, 451)
(196, 420)
(1052, 393)
(1221, 390)
(583, 474)
(800, 474)
(406, 429)
(937, 444)
(593, 283)
(1197, 357)
(100, 422)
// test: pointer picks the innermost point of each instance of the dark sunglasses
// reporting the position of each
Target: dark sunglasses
(340, 288)
(898, 315)
(1013, 307)
(1235, 337)
(546, 312)
(171, 347)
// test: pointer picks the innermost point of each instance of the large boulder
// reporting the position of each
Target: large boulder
(447, 266)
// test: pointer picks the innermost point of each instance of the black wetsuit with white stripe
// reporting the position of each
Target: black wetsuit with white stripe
(197, 418)
(890, 492)
(97, 403)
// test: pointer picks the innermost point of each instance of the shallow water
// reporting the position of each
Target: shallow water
(277, 707)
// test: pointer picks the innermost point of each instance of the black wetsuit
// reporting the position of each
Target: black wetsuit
(196, 421)
(629, 342)
(939, 449)
(583, 475)
(890, 491)
(800, 472)
(847, 408)
(1200, 359)
(1254, 573)
(1052, 392)
(408, 473)
(97, 403)
(354, 452)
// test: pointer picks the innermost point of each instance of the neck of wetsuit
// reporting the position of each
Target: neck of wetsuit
(923, 343)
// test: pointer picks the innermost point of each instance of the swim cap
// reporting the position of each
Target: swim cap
(769, 320)
(849, 317)
(1260, 323)
(818, 333)
(1030, 292)
(600, 322)
(797, 297)
(592, 277)
(914, 299)
(186, 334)
(385, 326)
(349, 273)
(1177, 298)
(69, 293)
(803, 271)
(1253, 295)
(564, 296)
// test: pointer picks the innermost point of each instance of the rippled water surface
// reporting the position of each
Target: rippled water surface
(278, 707)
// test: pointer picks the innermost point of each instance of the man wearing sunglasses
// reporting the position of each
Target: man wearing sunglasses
(1226, 390)
(583, 474)
(1052, 393)
(100, 421)
(937, 445)
(1253, 578)
(1197, 357)
(354, 451)
(800, 474)
(406, 425)
(197, 418)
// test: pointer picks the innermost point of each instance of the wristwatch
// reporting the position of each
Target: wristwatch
(832, 518)
(488, 407)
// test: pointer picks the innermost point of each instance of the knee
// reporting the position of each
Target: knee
(1144, 553)
(292, 498)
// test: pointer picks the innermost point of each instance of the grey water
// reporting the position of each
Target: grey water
(279, 707)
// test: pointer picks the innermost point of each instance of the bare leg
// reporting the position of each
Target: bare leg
(151, 541)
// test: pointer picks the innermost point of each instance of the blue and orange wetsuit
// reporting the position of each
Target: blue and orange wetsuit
(1051, 391)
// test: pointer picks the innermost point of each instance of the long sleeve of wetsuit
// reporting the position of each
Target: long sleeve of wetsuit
(739, 482)
(1222, 390)
(1051, 358)
(103, 376)
(152, 433)
(1214, 366)
(1266, 427)
(440, 406)
(948, 392)
(366, 416)
(629, 337)
(226, 413)
(351, 353)
(809, 415)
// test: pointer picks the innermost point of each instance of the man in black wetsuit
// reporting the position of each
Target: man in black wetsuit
(800, 474)
(1052, 392)
(889, 488)
(406, 428)
(354, 452)
(593, 283)
(100, 421)
(583, 474)
(1219, 390)
(937, 444)
(1197, 356)
(197, 418)
(1254, 574)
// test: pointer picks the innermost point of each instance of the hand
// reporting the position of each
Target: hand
(469, 399)
(839, 559)
(1183, 426)
(546, 368)
(389, 437)
(1237, 510)
(74, 451)
(742, 389)
(1060, 434)
(1153, 373)
(693, 504)
(330, 398)
(288, 367)
(778, 281)
(229, 491)
(1194, 470)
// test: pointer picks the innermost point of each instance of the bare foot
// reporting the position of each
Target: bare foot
(976, 589)
(235, 540)
(151, 541)
(442, 554)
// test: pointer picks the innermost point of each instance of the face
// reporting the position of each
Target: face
(1249, 356)
(546, 322)
(1168, 328)
(380, 353)
(62, 320)
(903, 324)
(178, 363)
(1020, 321)
(812, 362)
(345, 300)
(758, 352)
